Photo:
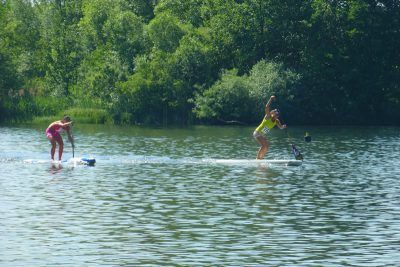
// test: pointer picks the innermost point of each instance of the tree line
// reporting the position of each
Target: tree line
(201, 61)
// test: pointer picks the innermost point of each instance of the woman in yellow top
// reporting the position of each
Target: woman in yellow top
(269, 121)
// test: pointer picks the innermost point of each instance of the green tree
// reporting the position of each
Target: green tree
(229, 24)
(165, 32)
(372, 81)
(153, 61)
(10, 80)
(142, 8)
(147, 93)
(125, 34)
(62, 42)
(188, 12)
(23, 26)
(97, 78)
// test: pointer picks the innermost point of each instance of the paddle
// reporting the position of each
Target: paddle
(71, 139)
(296, 152)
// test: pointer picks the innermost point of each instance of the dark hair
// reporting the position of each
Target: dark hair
(67, 118)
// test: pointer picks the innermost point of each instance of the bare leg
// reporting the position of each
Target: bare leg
(264, 147)
(53, 149)
(60, 149)
(53, 146)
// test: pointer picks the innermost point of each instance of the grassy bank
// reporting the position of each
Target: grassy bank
(81, 115)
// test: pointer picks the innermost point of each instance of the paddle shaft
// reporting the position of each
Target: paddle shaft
(72, 142)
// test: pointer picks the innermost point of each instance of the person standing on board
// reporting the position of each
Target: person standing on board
(53, 133)
(270, 120)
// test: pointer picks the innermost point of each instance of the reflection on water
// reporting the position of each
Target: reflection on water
(151, 200)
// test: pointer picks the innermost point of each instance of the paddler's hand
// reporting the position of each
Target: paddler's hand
(272, 98)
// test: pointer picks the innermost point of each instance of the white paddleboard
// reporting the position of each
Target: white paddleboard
(72, 161)
(284, 162)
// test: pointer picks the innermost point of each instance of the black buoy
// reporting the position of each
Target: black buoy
(307, 137)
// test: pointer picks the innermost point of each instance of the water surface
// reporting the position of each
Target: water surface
(155, 198)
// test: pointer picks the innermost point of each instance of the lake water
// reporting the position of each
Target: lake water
(155, 198)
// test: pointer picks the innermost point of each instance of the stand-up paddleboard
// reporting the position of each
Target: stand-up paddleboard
(259, 162)
(88, 161)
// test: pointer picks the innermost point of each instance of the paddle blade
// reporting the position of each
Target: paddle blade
(296, 153)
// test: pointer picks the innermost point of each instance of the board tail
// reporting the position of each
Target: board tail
(88, 161)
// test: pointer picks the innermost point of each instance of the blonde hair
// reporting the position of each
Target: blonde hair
(276, 112)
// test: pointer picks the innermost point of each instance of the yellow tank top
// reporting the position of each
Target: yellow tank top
(266, 125)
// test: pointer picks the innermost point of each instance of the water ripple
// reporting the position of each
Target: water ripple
(145, 207)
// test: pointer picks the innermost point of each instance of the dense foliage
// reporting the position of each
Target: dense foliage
(201, 61)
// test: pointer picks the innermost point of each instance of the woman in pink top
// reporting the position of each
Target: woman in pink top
(53, 133)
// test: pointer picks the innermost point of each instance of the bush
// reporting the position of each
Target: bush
(228, 100)
(88, 115)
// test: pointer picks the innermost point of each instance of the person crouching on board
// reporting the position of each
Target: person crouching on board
(270, 120)
(53, 133)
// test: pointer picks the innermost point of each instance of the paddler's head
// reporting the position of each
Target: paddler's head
(66, 118)
(274, 114)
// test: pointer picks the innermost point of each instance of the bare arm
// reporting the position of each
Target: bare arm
(267, 106)
(278, 123)
(66, 124)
